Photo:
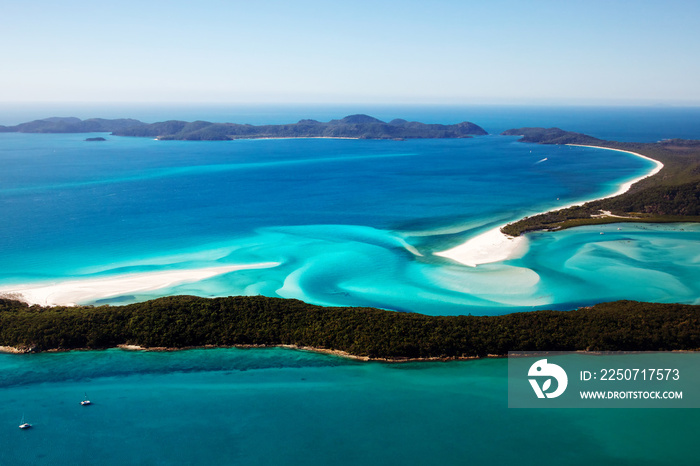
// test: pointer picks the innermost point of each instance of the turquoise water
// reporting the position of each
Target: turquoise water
(285, 407)
(351, 223)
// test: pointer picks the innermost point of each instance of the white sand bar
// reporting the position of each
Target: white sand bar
(492, 246)
(495, 246)
(71, 292)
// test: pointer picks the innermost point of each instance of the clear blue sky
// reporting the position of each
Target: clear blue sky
(461, 52)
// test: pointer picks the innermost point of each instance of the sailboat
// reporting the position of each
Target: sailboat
(24, 425)
(86, 402)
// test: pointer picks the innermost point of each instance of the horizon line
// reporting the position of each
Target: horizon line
(349, 103)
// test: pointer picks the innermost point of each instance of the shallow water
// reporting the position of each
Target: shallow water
(350, 222)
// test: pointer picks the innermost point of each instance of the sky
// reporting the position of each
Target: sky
(417, 52)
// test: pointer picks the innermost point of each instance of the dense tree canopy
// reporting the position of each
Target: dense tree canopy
(186, 321)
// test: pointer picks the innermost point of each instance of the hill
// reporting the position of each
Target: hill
(72, 125)
(353, 126)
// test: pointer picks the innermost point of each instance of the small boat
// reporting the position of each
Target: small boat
(24, 425)
(86, 402)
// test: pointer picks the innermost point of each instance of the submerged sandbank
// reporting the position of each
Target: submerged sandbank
(496, 246)
(72, 292)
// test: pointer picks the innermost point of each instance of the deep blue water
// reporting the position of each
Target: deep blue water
(350, 223)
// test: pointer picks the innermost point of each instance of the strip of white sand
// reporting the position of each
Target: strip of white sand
(624, 187)
(496, 246)
(70, 292)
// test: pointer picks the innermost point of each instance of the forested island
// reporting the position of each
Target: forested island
(72, 125)
(353, 126)
(187, 321)
(672, 195)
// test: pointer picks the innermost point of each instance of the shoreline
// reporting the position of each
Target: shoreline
(71, 292)
(292, 137)
(311, 349)
(261, 138)
(495, 246)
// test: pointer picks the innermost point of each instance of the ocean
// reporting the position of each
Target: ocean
(335, 222)
(285, 407)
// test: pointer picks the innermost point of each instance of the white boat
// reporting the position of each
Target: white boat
(86, 402)
(24, 425)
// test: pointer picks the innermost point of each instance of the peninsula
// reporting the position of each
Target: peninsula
(351, 127)
(670, 195)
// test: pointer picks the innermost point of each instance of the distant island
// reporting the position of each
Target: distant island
(95, 139)
(71, 125)
(671, 195)
(353, 126)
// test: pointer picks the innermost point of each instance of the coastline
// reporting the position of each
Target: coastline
(326, 351)
(72, 292)
(269, 138)
(495, 246)
(291, 137)
(311, 349)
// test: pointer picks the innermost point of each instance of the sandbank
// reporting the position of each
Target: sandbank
(496, 246)
(491, 246)
(73, 292)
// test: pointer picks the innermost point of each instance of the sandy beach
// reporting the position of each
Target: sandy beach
(495, 246)
(73, 292)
